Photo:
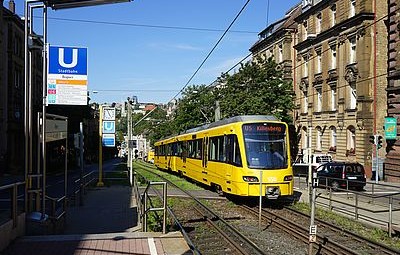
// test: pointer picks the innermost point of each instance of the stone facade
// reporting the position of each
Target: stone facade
(392, 162)
(341, 85)
(277, 41)
(12, 89)
(338, 59)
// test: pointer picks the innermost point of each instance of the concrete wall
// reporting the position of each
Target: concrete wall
(8, 233)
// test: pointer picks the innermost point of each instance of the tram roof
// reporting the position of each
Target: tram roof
(242, 118)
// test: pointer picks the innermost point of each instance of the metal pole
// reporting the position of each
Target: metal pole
(128, 105)
(132, 157)
(390, 216)
(26, 101)
(44, 107)
(313, 228)
(66, 168)
(260, 202)
(100, 182)
(81, 159)
(165, 209)
(309, 161)
(376, 159)
(39, 146)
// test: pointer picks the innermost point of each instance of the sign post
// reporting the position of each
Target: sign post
(100, 183)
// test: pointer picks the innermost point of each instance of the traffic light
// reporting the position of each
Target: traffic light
(372, 139)
(379, 142)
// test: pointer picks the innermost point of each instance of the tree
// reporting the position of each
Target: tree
(196, 107)
(257, 88)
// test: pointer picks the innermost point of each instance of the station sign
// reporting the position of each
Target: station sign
(109, 127)
(390, 128)
(67, 75)
(108, 140)
(108, 113)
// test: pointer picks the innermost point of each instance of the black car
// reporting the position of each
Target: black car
(344, 175)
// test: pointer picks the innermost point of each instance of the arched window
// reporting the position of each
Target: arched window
(332, 146)
(318, 145)
(318, 23)
(352, 9)
(351, 140)
(304, 138)
(333, 15)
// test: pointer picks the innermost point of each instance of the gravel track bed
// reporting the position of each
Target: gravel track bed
(270, 239)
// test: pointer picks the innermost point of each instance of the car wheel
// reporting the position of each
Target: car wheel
(335, 185)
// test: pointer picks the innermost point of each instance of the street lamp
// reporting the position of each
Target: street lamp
(30, 5)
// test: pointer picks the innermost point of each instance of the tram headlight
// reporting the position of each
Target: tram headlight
(250, 179)
(288, 178)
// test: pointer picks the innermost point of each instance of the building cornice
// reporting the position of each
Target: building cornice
(335, 30)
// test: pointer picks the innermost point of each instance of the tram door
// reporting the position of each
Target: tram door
(205, 153)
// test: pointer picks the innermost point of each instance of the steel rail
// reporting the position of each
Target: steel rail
(301, 232)
(216, 217)
(373, 244)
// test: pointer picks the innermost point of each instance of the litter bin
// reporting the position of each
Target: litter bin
(37, 223)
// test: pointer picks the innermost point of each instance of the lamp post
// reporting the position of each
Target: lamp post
(29, 35)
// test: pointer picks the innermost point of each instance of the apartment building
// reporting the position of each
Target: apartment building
(392, 161)
(277, 41)
(340, 90)
(12, 89)
(335, 52)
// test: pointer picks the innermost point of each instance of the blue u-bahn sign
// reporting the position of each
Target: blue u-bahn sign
(67, 60)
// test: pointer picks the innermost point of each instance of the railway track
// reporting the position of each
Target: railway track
(219, 236)
(330, 238)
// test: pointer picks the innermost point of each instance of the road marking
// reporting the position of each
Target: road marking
(152, 246)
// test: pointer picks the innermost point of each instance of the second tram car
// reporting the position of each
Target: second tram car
(232, 155)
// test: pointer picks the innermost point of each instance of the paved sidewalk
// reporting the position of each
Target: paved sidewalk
(107, 223)
(105, 210)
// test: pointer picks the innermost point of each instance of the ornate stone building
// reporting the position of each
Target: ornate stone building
(277, 41)
(12, 89)
(340, 90)
(335, 52)
(392, 162)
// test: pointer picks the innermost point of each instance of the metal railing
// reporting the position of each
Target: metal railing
(146, 201)
(80, 186)
(14, 208)
(365, 206)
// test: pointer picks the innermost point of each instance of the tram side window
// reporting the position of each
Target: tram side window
(174, 147)
(184, 149)
(232, 151)
(216, 149)
(195, 149)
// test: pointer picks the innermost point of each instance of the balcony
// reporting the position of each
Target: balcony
(332, 75)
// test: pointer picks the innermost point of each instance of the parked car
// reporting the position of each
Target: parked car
(344, 175)
(300, 166)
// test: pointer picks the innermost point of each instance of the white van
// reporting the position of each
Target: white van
(300, 166)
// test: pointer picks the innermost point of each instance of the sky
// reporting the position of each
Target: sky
(151, 48)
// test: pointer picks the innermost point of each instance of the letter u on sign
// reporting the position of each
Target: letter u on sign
(61, 59)
(68, 60)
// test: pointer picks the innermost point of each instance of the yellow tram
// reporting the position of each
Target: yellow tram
(232, 155)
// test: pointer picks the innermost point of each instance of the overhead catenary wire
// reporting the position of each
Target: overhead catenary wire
(148, 26)
(297, 66)
(211, 51)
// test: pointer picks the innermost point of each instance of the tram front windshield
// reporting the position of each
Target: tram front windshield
(265, 145)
